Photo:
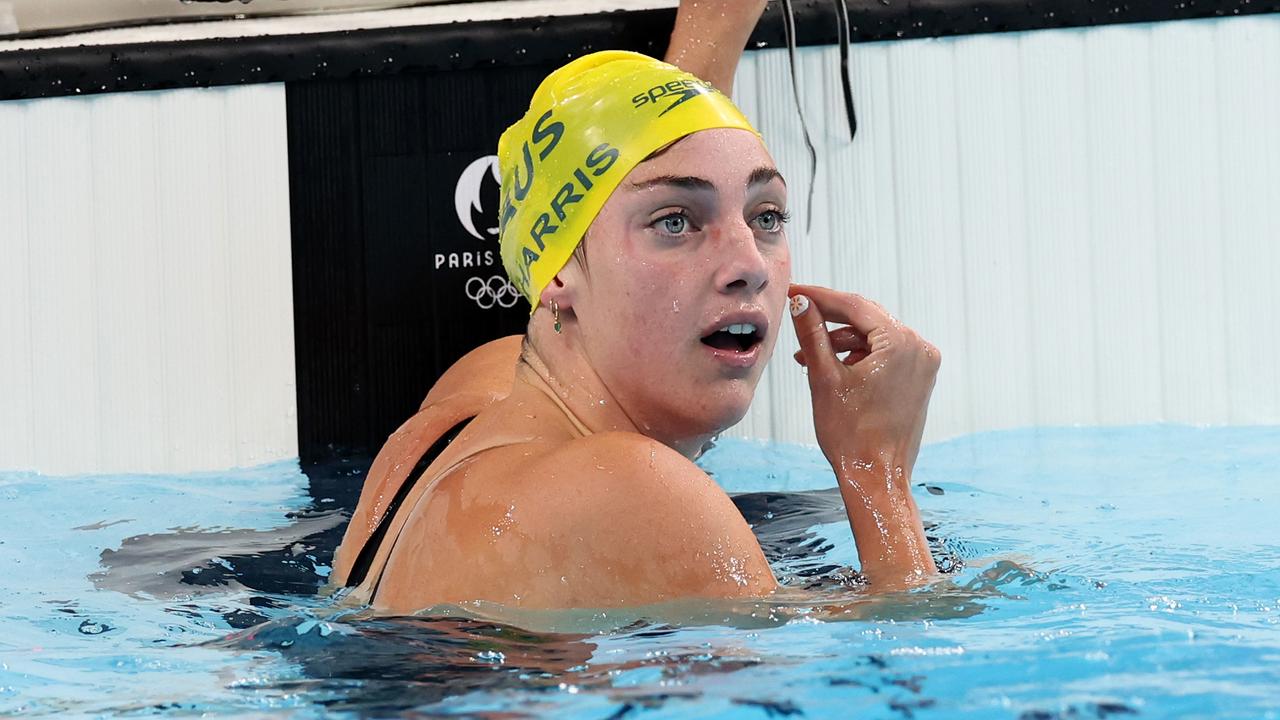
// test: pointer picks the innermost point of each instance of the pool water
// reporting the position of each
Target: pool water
(1094, 573)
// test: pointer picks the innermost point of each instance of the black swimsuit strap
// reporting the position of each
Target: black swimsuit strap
(360, 568)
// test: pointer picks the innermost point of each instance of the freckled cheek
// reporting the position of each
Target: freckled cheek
(780, 270)
(655, 285)
(652, 330)
(653, 301)
(781, 261)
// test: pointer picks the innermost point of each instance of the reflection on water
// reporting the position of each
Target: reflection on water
(389, 664)
(193, 560)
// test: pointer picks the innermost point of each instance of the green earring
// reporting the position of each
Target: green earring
(555, 315)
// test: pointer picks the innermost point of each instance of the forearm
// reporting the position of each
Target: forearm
(709, 37)
(886, 523)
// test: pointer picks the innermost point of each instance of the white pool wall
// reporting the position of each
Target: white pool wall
(146, 320)
(1084, 221)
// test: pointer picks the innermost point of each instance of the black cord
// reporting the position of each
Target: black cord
(789, 27)
(842, 23)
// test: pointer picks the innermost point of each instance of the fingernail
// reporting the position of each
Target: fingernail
(799, 303)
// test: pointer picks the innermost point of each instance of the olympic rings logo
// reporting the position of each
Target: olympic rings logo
(496, 291)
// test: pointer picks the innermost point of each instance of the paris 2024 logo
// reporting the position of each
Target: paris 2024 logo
(486, 289)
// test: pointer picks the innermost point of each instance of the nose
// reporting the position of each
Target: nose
(743, 267)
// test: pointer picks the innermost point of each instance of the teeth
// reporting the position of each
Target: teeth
(739, 329)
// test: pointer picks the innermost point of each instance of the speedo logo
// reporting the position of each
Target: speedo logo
(671, 94)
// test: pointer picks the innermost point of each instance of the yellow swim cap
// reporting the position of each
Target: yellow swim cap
(589, 123)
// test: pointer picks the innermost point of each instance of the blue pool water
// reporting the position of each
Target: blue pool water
(1097, 573)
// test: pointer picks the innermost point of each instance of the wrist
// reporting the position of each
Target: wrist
(892, 547)
(883, 472)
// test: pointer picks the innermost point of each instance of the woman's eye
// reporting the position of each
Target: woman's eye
(674, 224)
(771, 220)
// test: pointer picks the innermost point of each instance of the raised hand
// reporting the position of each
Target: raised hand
(869, 411)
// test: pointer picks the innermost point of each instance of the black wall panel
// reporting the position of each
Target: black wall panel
(392, 283)
(326, 199)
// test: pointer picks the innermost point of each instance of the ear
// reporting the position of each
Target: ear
(564, 288)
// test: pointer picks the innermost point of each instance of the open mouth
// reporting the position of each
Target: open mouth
(738, 337)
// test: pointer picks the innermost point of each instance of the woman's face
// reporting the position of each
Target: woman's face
(680, 299)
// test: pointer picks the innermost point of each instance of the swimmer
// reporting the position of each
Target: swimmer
(645, 221)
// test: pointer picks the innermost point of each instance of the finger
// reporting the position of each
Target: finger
(847, 338)
(864, 315)
(815, 341)
(855, 357)
(843, 340)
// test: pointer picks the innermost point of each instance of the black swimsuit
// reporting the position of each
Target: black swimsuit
(360, 568)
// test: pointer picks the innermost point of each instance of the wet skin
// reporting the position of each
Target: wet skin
(577, 489)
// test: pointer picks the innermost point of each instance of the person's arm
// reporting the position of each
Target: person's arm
(709, 38)
(869, 412)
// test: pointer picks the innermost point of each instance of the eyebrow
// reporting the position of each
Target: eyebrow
(759, 176)
(762, 175)
(685, 182)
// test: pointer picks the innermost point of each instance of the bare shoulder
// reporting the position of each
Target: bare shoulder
(487, 370)
(609, 520)
(628, 468)
(476, 381)
(637, 481)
